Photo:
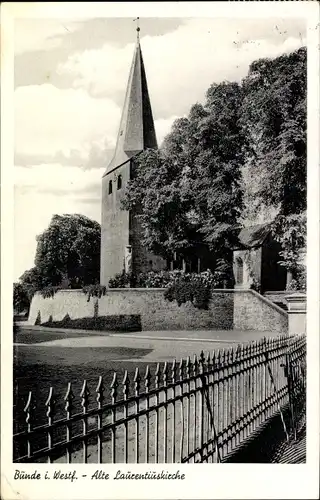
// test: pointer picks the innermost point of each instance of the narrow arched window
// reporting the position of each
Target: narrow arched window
(239, 271)
(119, 182)
(110, 187)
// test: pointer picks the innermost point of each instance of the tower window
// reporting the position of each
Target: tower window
(119, 182)
(110, 187)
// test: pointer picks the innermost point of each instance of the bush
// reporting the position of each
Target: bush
(121, 280)
(161, 279)
(180, 286)
(299, 282)
(49, 292)
(127, 323)
(190, 288)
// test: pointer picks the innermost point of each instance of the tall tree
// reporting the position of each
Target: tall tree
(219, 161)
(68, 252)
(190, 190)
(273, 118)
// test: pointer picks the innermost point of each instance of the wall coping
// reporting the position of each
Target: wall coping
(269, 302)
(145, 289)
(283, 292)
(297, 297)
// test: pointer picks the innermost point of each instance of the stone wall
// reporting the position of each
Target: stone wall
(238, 309)
(252, 311)
(156, 312)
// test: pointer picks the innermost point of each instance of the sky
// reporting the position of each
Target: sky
(70, 79)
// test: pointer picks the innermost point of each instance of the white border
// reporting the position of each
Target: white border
(202, 481)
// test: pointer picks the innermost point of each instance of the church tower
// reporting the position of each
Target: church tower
(121, 247)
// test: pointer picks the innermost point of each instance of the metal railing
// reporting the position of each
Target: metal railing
(196, 410)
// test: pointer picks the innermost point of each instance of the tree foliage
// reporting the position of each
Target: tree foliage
(21, 301)
(190, 192)
(68, 254)
(274, 121)
(239, 155)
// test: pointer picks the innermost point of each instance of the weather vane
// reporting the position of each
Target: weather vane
(138, 27)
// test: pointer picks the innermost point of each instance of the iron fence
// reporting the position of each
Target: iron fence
(196, 410)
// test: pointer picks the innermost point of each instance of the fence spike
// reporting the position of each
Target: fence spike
(165, 373)
(223, 357)
(237, 354)
(173, 371)
(181, 369)
(114, 386)
(126, 384)
(188, 367)
(202, 357)
(213, 359)
(157, 376)
(231, 355)
(195, 364)
(147, 379)
(137, 379)
(219, 358)
(50, 403)
(69, 398)
(99, 390)
(84, 394)
(28, 409)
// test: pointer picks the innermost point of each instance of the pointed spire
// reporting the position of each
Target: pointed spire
(136, 131)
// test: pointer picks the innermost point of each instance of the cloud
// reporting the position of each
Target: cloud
(182, 64)
(34, 34)
(56, 178)
(50, 121)
(67, 126)
(48, 189)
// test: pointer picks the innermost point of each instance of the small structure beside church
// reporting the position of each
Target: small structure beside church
(255, 260)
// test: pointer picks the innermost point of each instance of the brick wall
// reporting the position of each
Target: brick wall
(156, 313)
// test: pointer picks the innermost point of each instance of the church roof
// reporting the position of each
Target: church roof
(253, 236)
(136, 131)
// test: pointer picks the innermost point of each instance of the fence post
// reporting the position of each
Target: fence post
(165, 395)
(181, 408)
(147, 379)
(156, 427)
(114, 392)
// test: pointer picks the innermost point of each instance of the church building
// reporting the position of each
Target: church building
(121, 232)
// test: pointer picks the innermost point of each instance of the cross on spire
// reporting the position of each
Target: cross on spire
(138, 27)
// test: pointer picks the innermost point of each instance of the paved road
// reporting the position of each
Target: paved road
(154, 346)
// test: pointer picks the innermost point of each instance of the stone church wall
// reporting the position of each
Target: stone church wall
(114, 225)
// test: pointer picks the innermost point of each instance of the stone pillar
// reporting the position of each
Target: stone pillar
(297, 311)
